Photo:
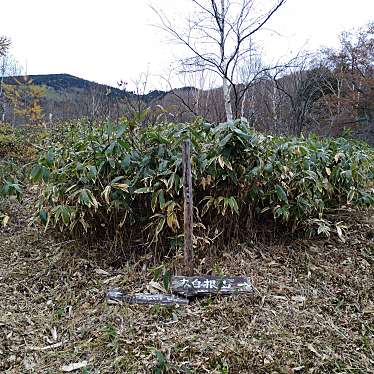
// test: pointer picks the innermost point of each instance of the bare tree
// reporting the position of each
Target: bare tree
(134, 102)
(297, 89)
(193, 97)
(351, 97)
(7, 67)
(97, 103)
(4, 45)
(219, 36)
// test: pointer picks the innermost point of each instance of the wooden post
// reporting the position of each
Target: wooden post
(188, 206)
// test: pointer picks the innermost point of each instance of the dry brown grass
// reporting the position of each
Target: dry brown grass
(313, 311)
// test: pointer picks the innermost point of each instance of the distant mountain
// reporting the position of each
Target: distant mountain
(67, 82)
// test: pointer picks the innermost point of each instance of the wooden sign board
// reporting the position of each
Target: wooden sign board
(208, 285)
(151, 299)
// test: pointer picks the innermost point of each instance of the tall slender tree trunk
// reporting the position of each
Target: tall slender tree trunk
(226, 96)
(274, 108)
(225, 82)
(244, 99)
(2, 100)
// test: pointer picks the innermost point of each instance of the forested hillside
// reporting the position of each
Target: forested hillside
(328, 93)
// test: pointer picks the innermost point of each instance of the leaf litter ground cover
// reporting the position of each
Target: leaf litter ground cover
(313, 310)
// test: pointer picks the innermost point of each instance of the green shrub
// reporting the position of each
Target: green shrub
(8, 139)
(22, 142)
(10, 186)
(18, 150)
(9, 170)
(127, 181)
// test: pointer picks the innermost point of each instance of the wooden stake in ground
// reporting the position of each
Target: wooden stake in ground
(188, 205)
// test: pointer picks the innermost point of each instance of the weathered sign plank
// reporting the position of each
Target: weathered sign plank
(118, 295)
(208, 285)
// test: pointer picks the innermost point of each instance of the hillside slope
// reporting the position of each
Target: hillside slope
(68, 82)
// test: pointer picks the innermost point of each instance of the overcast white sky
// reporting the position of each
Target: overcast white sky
(109, 40)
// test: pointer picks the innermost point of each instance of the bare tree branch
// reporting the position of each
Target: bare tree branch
(4, 45)
(217, 36)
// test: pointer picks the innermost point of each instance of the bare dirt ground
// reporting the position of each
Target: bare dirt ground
(312, 312)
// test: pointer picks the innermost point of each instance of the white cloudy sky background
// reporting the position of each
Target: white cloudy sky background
(106, 41)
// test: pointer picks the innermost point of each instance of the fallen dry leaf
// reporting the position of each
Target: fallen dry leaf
(74, 366)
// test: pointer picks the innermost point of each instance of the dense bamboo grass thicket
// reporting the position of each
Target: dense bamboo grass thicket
(19, 148)
(125, 181)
